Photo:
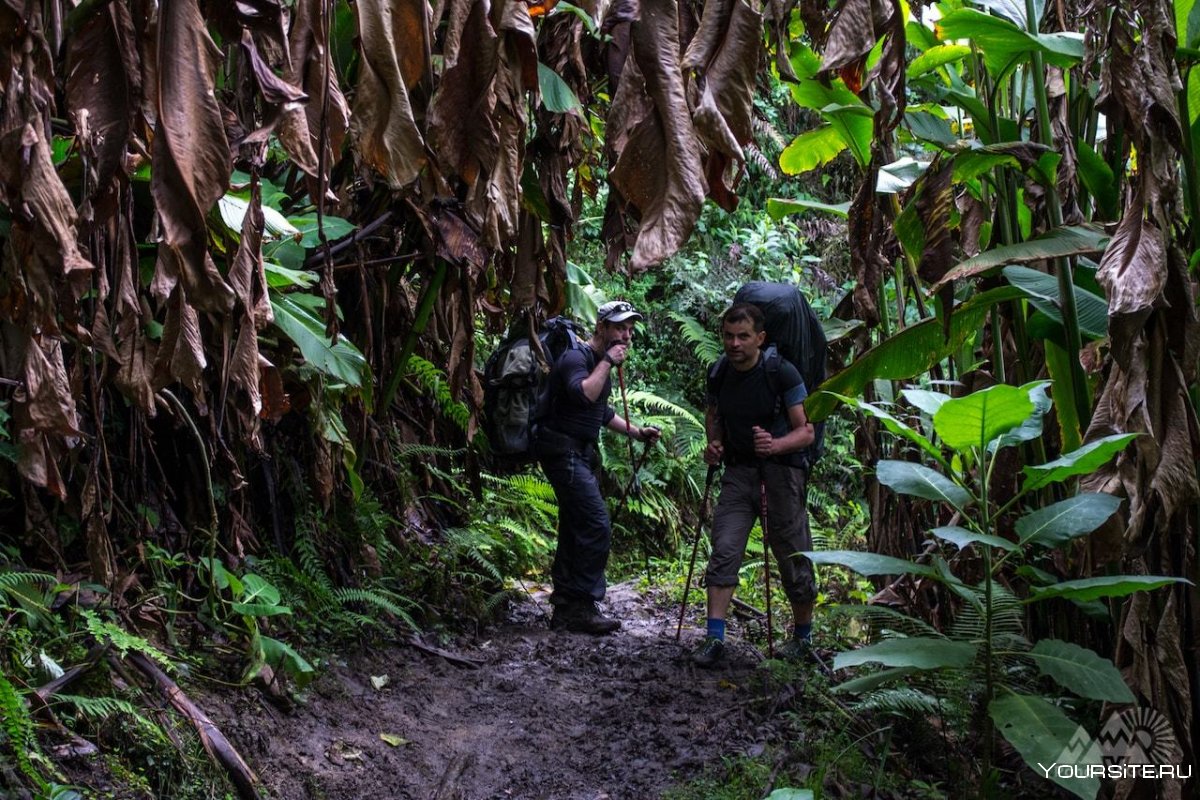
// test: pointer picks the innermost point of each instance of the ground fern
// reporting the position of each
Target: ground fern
(17, 726)
(904, 701)
(123, 641)
(381, 599)
(100, 709)
(433, 380)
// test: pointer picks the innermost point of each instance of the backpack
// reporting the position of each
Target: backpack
(794, 333)
(516, 384)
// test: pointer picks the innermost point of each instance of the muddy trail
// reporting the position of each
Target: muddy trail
(538, 714)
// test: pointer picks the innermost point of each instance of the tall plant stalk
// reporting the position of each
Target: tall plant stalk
(1062, 266)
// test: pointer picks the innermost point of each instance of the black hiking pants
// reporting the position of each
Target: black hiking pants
(584, 529)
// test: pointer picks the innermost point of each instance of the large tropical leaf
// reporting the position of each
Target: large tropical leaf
(895, 426)
(779, 208)
(191, 156)
(556, 94)
(1005, 45)
(868, 564)
(1081, 671)
(1041, 733)
(919, 480)
(1091, 310)
(914, 652)
(304, 326)
(1031, 428)
(1067, 519)
(1086, 589)
(812, 149)
(650, 123)
(908, 353)
(1073, 240)
(961, 537)
(973, 421)
(936, 57)
(1083, 461)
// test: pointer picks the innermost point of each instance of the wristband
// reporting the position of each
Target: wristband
(633, 435)
(609, 359)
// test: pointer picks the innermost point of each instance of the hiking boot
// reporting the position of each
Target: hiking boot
(794, 649)
(582, 618)
(710, 653)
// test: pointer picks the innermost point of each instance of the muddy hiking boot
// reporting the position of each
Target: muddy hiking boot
(794, 649)
(710, 653)
(582, 618)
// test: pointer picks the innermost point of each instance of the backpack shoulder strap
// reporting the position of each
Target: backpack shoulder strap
(716, 373)
(773, 360)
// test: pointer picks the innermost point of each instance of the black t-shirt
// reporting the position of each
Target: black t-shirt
(570, 410)
(744, 400)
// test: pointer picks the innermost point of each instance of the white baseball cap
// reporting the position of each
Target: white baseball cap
(617, 311)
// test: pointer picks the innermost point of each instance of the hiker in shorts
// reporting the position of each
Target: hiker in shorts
(565, 445)
(756, 425)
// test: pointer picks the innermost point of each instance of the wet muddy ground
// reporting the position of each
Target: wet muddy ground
(546, 715)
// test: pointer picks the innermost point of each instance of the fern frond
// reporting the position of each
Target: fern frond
(123, 641)
(904, 701)
(17, 725)
(18, 580)
(662, 405)
(523, 485)
(764, 128)
(1008, 617)
(409, 449)
(311, 563)
(469, 545)
(359, 621)
(708, 346)
(885, 618)
(492, 604)
(433, 380)
(98, 709)
(755, 155)
(379, 598)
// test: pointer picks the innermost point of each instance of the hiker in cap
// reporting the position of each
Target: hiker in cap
(756, 425)
(565, 445)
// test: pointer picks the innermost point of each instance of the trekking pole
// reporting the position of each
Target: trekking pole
(762, 487)
(636, 469)
(687, 585)
(634, 483)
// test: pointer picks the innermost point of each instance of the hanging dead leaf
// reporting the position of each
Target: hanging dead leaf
(724, 55)
(392, 36)
(191, 154)
(104, 86)
(657, 156)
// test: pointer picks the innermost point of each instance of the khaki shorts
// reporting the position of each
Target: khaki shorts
(740, 504)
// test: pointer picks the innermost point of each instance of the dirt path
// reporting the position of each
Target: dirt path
(552, 716)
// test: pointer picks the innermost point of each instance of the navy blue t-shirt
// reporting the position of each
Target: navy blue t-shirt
(571, 412)
(744, 400)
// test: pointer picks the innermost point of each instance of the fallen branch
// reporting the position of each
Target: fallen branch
(746, 608)
(453, 658)
(75, 746)
(214, 741)
(45, 692)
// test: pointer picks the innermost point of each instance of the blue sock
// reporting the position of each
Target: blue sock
(804, 632)
(716, 628)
